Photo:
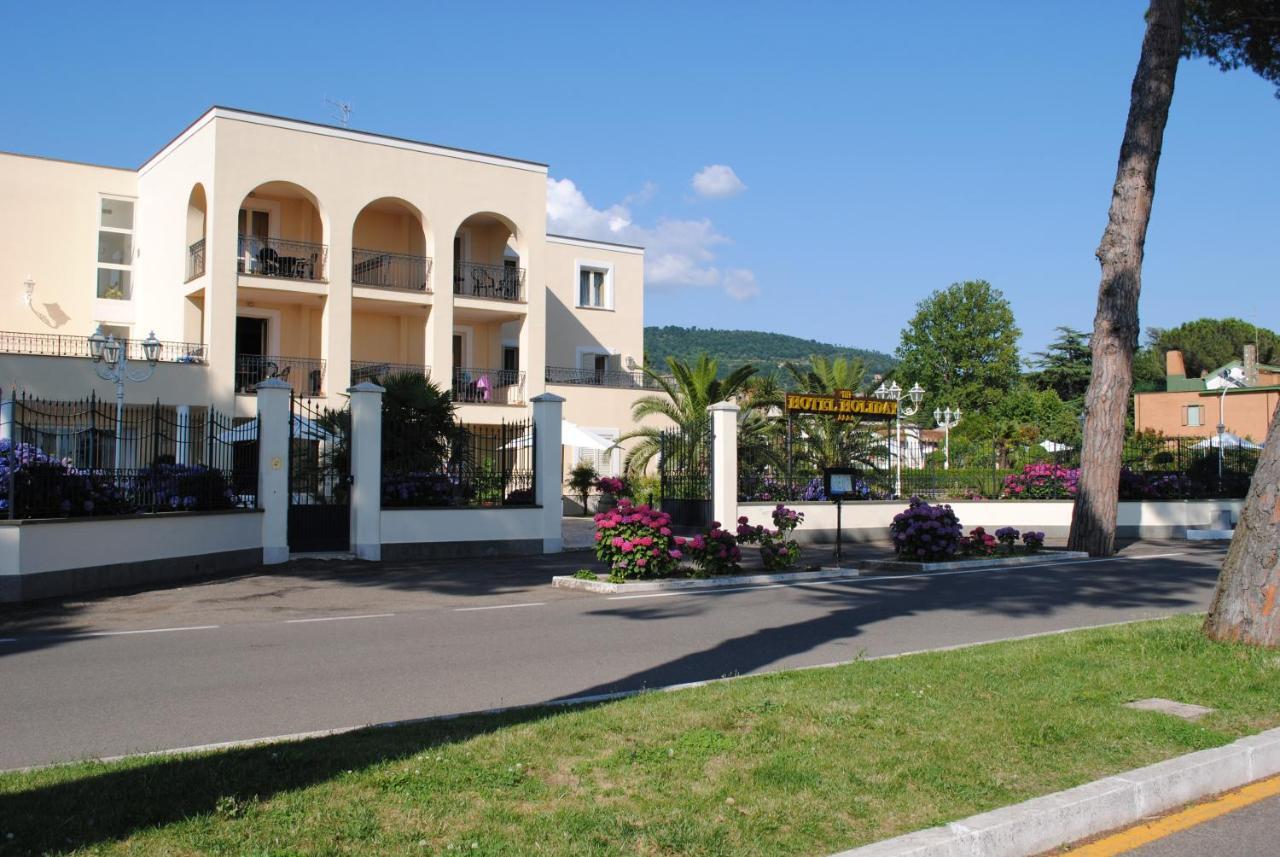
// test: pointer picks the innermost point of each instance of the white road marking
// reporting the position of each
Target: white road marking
(144, 631)
(499, 606)
(338, 618)
(8, 639)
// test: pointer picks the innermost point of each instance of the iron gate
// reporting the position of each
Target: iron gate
(319, 477)
(684, 474)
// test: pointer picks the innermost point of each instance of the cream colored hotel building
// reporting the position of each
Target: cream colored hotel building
(258, 246)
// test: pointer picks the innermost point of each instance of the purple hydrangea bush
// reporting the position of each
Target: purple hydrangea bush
(925, 533)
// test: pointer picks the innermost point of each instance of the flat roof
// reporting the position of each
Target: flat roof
(579, 240)
(337, 131)
(68, 161)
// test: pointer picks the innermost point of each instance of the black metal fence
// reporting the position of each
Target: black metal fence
(195, 260)
(1153, 468)
(376, 370)
(426, 464)
(279, 257)
(479, 386)
(500, 282)
(70, 459)
(684, 475)
(304, 374)
(390, 270)
(61, 345)
(597, 378)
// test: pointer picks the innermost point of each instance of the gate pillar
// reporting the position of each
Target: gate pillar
(366, 470)
(548, 473)
(273, 468)
(724, 464)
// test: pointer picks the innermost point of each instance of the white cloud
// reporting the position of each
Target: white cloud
(677, 252)
(717, 181)
(740, 284)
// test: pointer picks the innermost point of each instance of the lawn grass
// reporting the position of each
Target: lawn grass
(793, 763)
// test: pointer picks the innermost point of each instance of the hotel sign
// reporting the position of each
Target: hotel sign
(844, 406)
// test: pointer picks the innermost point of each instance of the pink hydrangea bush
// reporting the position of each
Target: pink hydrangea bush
(636, 542)
(715, 552)
(1042, 482)
(777, 551)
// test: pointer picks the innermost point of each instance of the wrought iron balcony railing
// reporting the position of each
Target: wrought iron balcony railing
(499, 282)
(488, 386)
(277, 257)
(376, 370)
(304, 374)
(195, 260)
(60, 345)
(611, 378)
(390, 270)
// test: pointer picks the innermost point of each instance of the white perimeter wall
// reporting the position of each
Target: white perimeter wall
(412, 526)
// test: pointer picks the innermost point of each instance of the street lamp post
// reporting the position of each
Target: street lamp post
(1222, 421)
(947, 420)
(111, 362)
(915, 396)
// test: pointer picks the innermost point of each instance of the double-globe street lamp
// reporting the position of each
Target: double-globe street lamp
(111, 362)
(894, 393)
(947, 420)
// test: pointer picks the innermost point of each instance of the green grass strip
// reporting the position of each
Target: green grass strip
(803, 762)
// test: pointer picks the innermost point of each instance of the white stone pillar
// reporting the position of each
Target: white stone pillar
(366, 470)
(548, 412)
(724, 464)
(273, 468)
(7, 414)
(182, 445)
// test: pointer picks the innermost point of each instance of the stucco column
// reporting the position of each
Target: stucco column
(220, 298)
(724, 463)
(366, 470)
(6, 417)
(335, 323)
(182, 446)
(439, 333)
(548, 411)
(273, 468)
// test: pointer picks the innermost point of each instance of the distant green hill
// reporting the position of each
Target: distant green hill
(732, 348)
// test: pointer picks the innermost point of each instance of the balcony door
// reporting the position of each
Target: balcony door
(255, 226)
(251, 352)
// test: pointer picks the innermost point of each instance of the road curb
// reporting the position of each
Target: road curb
(1044, 823)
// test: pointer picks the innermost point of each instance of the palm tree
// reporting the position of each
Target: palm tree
(822, 441)
(686, 394)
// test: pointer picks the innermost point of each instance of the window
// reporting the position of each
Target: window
(606, 462)
(510, 358)
(115, 249)
(593, 288)
(1193, 415)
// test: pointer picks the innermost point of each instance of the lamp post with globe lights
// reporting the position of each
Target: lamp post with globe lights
(914, 397)
(111, 362)
(947, 420)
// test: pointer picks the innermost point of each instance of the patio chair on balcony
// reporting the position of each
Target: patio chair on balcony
(268, 262)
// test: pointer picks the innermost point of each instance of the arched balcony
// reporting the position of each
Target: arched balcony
(389, 247)
(487, 259)
(281, 234)
(197, 217)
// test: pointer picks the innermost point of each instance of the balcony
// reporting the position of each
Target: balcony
(385, 270)
(283, 259)
(58, 345)
(495, 282)
(474, 386)
(304, 374)
(195, 261)
(610, 378)
(377, 370)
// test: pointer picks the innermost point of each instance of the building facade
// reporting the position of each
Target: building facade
(1241, 395)
(261, 247)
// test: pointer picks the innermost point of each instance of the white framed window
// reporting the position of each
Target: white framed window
(606, 462)
(115, 248)
(1193, 415)
(595, 285)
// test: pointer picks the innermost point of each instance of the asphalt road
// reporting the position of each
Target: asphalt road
(316, 646)
(1247, 832)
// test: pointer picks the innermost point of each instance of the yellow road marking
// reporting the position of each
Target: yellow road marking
(1135, 837)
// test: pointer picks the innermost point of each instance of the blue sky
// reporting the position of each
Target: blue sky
(875, 152)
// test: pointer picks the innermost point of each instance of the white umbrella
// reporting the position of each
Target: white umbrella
(1053, 446)
(1228, 440)
(571, 434)
(301, 428)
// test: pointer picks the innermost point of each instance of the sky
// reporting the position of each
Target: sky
(814, 169)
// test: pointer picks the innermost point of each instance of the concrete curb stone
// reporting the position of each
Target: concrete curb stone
(1044, 823)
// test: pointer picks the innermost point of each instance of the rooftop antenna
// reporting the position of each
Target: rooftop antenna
(342, 111)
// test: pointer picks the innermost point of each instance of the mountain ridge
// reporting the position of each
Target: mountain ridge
(732, 348)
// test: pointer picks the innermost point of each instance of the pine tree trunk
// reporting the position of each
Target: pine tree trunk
(1115, 327)
(1246, 605)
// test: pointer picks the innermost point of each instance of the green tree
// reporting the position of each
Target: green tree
(1230, 34)
(823, 441)
(961, 346)
(687, 392)
(1208, 343)
(1064, 366)
(1024, 417)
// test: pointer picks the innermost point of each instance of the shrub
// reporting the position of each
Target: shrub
(636, 542)
(581, 478)
(520, 497)
(585, 574)
(613, 485)
(1007, 537)
(978, 543)
(716, 550)
(1042, 482)
(184, 487)
(922, 532)
(1033, 541)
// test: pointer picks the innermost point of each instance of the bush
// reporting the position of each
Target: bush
(716, 550)
(613, 485)
(636, 542)
(922, 532)
(581, 478)
(1033, 541)
(1042, 482)
(184, 487)
(978, 543)
(1007, 537)
(585, 574)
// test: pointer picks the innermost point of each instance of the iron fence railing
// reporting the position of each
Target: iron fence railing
(62, 345)
(279, 257)
(390, 270)
(609, 378)
(500, 282)
(488, 386)
(304, 374)
(195, 260)
(374, 370)
(425, 464)
(75, 458)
